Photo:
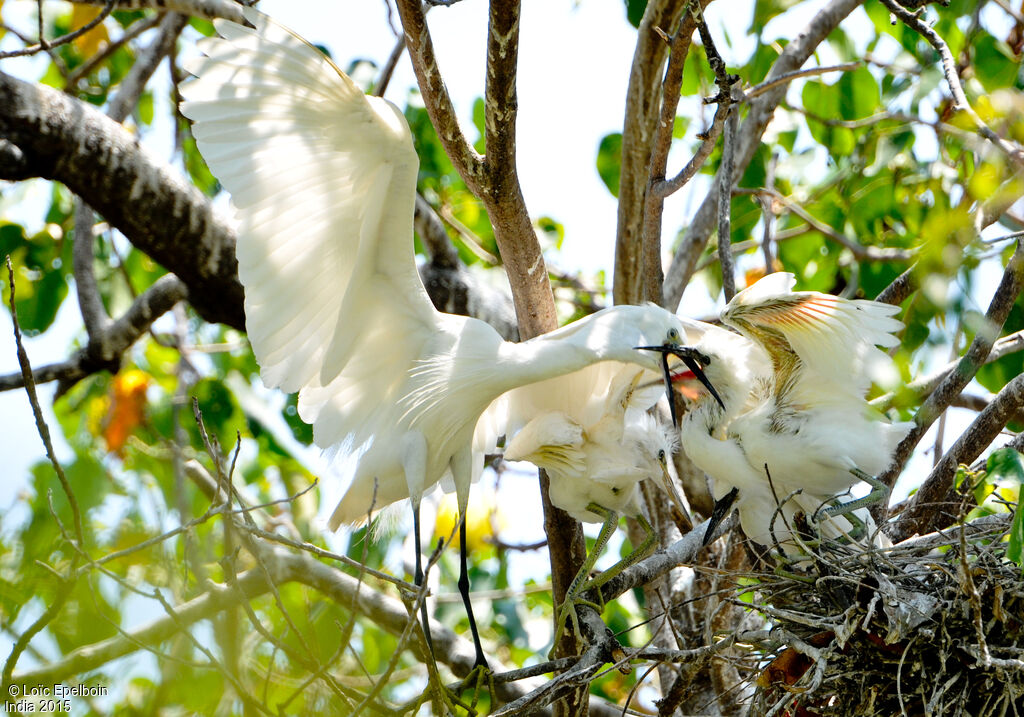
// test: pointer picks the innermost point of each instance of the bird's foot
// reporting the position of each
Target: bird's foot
(879, 492)
(480, 677)
(567, 612)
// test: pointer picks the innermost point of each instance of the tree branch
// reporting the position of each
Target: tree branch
(951, 386)
(638, 135)
(759, 115)
(68, 141)
(925, 509)
(915, 23)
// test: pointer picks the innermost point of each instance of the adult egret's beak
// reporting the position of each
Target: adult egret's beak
(665, 350)
(693, 360)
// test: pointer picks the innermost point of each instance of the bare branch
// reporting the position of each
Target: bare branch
(926, 385)
(105, 348)
(657, 188)
(60, 138)
(759, 115)
(924, 511)
(46, 45)
(859, 251)
(638, 137)
(1006, 293)
(439, 106)
(790, 76)
(901, 287)
(44, 430)
(725, 185)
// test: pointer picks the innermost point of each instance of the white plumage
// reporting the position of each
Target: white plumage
(599, 446)
(323, 179)
(794, 417)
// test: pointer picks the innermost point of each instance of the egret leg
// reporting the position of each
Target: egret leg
(481, 659)
(580, 584)
(417, 577)
(879, 492)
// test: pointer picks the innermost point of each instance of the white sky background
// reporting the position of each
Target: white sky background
(574, 64)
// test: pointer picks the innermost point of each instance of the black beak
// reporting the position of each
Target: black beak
(665, 351)
(693, 360)
(721, 511)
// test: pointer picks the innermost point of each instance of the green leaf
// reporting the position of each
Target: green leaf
(994, 63)
(1006, 464)
(859, 95)
(1016, 541)
(635, 11)
(609, 161)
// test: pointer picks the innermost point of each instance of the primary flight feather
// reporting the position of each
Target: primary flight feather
(323, 180)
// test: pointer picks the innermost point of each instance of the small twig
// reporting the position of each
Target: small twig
(137, 28)
(861, 252)
(914, 22)
(45, 45)
(37, 412)
(790, 76)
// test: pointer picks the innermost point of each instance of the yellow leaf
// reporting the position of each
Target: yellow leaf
(89, 43)
(127, 408)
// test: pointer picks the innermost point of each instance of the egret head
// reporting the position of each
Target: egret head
(693, 359)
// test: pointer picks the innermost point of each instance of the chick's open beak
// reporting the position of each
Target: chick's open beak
(693, 359)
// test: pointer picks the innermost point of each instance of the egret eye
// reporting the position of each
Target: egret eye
(661, 455)
(673, 335)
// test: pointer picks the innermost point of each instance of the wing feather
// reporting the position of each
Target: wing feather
(323, 178)
(818, 343)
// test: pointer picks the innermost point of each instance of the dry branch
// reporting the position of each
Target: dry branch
(999, 308)
(759, 115)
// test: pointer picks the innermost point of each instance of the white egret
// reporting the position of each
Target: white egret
(323, 179)
(593, 435)
(793, 415)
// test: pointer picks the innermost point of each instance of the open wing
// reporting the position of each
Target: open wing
(324, 179)
(818, 343)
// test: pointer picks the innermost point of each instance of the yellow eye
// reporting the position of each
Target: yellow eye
(673, 335)
(661, 455)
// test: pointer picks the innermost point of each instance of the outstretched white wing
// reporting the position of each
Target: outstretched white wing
(817, 342)
(324, 179)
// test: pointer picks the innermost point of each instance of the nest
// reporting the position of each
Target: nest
(932, 626)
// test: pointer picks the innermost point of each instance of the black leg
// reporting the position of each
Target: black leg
(418, 576)
(481, 660)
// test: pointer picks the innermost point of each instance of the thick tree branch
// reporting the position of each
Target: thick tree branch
(951, 386)
(638, 132)
(759, 115)
(658, 188)
(925, 511)
(439, 106)
(65, 140)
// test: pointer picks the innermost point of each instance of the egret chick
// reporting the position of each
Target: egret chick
(596, 451)
(795, 429)
(323, 181)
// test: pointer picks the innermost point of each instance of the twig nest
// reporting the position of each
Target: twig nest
(931, 626)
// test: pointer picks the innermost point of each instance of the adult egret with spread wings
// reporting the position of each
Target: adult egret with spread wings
(793, 417)
(323, 179)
